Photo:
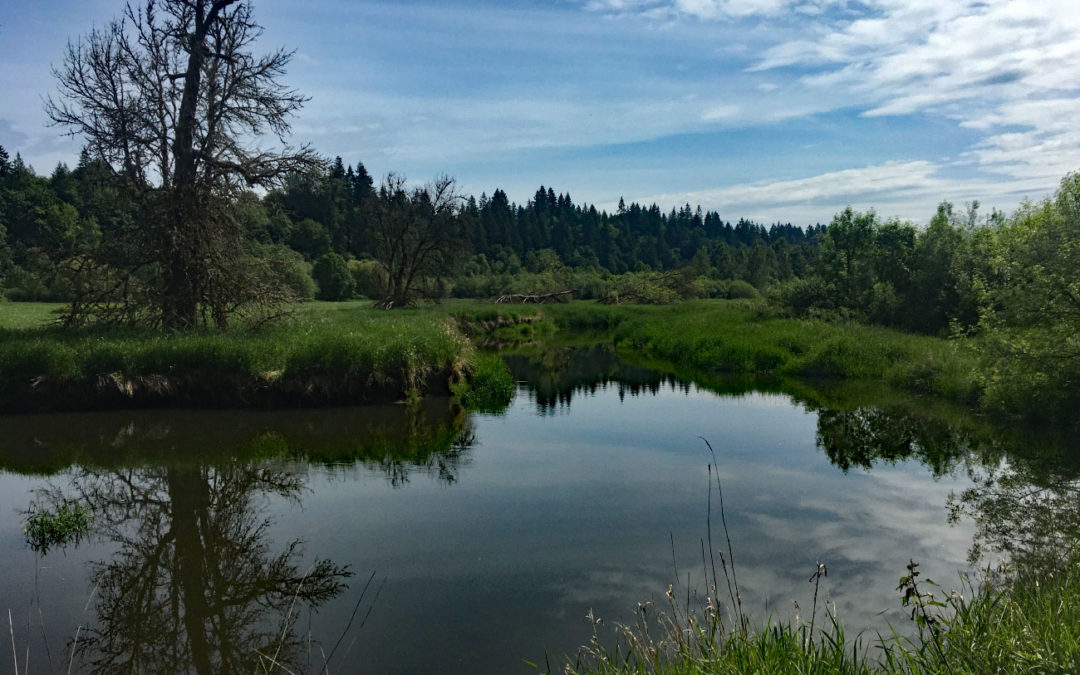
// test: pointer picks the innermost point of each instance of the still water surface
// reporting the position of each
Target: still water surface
(403, 540)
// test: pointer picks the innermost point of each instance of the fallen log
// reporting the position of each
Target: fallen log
(533, 298)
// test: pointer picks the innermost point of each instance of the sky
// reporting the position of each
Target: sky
(775, 110)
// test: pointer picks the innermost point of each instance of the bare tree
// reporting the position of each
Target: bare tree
(417, 232)
(172, 98)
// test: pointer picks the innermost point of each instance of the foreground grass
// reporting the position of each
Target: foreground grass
(1029, 623)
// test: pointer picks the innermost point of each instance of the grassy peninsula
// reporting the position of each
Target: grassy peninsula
(325, 353)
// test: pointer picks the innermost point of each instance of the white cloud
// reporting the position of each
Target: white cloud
(906, 190)
(1009, 69)
(721, 112)
(986, 65)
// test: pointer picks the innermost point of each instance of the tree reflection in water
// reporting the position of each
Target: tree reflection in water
(194, 585)
(1028, 513)
(1024, 498)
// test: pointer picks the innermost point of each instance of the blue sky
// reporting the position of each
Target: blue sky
(769, 109)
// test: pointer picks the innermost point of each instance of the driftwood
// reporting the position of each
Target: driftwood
(538, 298)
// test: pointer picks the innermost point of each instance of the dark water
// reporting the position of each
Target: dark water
(402, 540)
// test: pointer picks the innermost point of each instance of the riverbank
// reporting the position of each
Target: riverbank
(350, 353)
(1027, 622)
(327, 353)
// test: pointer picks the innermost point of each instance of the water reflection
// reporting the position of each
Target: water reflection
(496, 547)
(193, 584)
(432, 437)
(554, 374)
(193, 581)
(1024, 487)
(1027, 510)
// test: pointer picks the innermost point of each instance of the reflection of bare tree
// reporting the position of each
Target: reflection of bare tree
(194, 585)
(1029, 514)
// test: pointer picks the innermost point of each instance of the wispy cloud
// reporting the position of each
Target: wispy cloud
(589, 92)
(1009, 69)
(906, 190)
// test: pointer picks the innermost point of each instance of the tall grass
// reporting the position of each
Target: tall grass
(738, 337)
(348, 348)
(334, 345)
(1013, 621)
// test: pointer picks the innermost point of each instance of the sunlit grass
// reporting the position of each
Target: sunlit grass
(363, 348)
(399, 349)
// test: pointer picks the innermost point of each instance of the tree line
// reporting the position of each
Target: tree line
(319, 221)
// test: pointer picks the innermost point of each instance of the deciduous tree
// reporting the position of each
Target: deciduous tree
(171, 97)
(416, 234)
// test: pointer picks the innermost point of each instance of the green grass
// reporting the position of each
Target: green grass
(491, 386)
(47, 528)
(19, 315)
(738, 337)
(325, 350)
(1028, 623)
(352, 348)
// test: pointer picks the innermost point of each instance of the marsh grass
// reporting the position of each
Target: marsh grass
(491, 386)
(1009, 621)
(68, 523)
(737, 337)
(1028, 623)
(322, 353)
(350, 347)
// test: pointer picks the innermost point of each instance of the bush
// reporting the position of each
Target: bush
(297, 278)
(737, 289)
(331, 273)
(369, 278)
(801, 296)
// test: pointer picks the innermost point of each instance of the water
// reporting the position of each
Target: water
(475, 543)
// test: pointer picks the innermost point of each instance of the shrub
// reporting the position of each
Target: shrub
(331, 273)
(67, 524)
(369, 278)
(737, 289)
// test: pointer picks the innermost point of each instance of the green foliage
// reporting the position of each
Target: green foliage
(311, 238)
(331, 273)
(1029, 623)
(731, 337)
(369, 278)
(491, 387)
(737, 289)
(346, 351)
(1031, 322)
(58, 527)
(296, 276)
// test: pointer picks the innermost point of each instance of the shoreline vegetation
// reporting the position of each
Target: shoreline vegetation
(345, 353)
(326, 353)
(1017, 621)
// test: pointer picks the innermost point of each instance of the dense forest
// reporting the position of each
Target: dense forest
(325, 219)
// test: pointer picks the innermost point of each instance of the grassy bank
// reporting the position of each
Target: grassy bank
(739, 337)
(351, 352)
(1027, 623)
(326, 353)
